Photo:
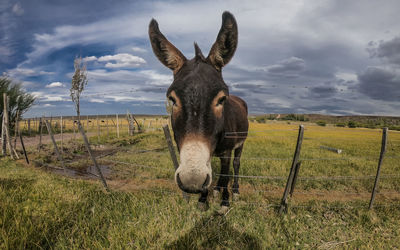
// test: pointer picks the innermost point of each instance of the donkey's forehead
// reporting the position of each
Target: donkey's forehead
(198, 74)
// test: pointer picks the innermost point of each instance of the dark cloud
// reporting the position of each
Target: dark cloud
(380, 83)
(322, 91)
(289, 67)
(154, 89)
(389, 50)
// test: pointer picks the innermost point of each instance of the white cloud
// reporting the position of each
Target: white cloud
(46, 97)
(122, 60)
(17, 9)
(55, 85)
(21, 72)
(347, 76)
(48, 105)
(95, 100)
(139, 50)
(89, 59)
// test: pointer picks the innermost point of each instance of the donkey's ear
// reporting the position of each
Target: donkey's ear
(167, 53)
(224, 47)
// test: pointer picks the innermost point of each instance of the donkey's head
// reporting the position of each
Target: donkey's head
(198, 94)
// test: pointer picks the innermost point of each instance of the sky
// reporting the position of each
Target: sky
(320, 57)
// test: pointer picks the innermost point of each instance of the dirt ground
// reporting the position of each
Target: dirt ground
(33, 141)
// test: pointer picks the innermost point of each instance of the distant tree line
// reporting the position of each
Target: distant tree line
(373, 122)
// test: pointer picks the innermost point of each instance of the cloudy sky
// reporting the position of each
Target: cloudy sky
(327, 57)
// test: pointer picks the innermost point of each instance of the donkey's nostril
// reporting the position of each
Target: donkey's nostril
(206, 182)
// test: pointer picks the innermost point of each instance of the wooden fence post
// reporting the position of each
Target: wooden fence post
(130, 123)
(23, 148)
(60, 158)
(62, 138)
(3, 137)
(382, 154)
(173, 155)
(98, 129)
(41, 131)
(29, 127)
(92, 156)
(16, 128)
(296, 173)
(117, 126)
(289, 182)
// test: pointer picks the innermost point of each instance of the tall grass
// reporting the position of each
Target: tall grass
(39, 209)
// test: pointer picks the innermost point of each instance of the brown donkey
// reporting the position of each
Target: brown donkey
(206, 120)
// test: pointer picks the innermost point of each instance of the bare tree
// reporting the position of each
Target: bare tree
(79, 81)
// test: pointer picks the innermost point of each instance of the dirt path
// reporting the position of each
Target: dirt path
(34, 141)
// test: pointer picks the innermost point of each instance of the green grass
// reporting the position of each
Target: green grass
(39, 209)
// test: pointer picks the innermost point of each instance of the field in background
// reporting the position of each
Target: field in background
(101, 124)
(145, 208)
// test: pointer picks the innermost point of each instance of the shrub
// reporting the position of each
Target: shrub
(352, 124)
(340, 124)
(321, 123)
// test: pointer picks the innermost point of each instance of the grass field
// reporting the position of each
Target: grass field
(41, 209)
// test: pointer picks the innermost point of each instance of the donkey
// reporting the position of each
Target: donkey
(203, 112)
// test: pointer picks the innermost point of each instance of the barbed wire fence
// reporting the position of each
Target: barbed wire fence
(293, 173)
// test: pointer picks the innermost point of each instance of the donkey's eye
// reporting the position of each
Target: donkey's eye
(172, 100)
(221, 100)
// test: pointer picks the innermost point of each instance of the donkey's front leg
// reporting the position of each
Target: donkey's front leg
(236, 166)
(224, 180)
(203, 203)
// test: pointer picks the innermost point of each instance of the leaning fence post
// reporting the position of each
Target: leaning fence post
(383, 150)
(60, 158)
(16, 129)
(92, 156)
(296, 173)
(23, 148)
(173, 155)
(289, 182)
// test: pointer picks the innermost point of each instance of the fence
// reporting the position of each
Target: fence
(291, 179)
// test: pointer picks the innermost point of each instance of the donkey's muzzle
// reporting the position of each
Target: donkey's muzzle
(192, 187)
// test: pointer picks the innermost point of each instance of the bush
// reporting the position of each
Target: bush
(261, 119)
(352, 124)
(394, 128)
(321, 123)
(340, 124)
